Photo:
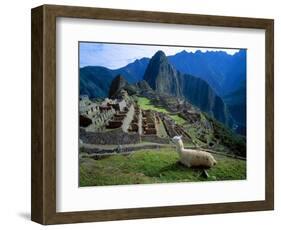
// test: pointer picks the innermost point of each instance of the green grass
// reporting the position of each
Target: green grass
(146, 104)
(153, 166)
(179, 120)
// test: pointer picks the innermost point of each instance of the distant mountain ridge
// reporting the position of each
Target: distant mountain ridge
(95, 80)
(134, 71)
(224, 73)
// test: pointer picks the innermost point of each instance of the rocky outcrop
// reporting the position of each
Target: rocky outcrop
(143, 86)
(117, 84)
(162, 77)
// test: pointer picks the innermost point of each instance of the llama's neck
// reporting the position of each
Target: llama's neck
(180, 147)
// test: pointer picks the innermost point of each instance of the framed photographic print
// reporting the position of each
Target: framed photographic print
(140, 114)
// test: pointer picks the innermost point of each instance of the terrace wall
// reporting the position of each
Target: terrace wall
(155, 139)
(113, 137)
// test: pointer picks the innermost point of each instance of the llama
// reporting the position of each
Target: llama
(192, 157)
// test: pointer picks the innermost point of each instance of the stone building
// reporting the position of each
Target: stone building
(121, 121)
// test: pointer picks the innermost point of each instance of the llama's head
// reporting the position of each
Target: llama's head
(176, 139)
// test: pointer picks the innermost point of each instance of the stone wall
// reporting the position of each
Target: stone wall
(114, 137)
(155, 139)
(169, 126)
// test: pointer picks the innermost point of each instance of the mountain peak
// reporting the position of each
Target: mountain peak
(160, 55)
(161, 76)
(157, 64)
(183, 52)
(160, 52)
(117, 84)
(159, 58)
(198, 52)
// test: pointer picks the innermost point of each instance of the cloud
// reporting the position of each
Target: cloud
(114, 56)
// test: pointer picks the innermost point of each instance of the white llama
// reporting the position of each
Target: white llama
(192, 157)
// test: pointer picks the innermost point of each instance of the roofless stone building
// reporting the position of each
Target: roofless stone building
(121, 121)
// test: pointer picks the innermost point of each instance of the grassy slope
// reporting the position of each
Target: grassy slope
(235, 143)
(153, 166)
(145, 103)
(156, 166)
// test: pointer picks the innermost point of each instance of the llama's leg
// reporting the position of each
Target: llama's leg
(204, 174)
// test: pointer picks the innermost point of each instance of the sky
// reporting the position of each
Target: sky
(114, 56)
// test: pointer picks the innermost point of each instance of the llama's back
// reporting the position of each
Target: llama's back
(192, 157)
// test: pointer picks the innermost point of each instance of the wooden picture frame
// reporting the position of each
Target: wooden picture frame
(43, 208)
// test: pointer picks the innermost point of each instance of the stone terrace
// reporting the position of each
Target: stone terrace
(123, 122)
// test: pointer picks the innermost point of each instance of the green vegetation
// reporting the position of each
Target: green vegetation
(200, 132)
(207, 131)
(146, 104)
(179, 120)
(162, 165)
(193, 132)
(154, 166)
(236, 143)
(162, 130)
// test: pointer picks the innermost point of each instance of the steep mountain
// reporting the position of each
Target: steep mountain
(223, 72)
(165, 79)
(119, 83)
(95, 81)
(236, 75)
(236, 103)
(162, 77)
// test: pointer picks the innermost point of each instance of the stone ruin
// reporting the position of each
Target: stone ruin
(174, 129)
(190, 116)
(148, 122)
(121, 121)
(108, 122)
